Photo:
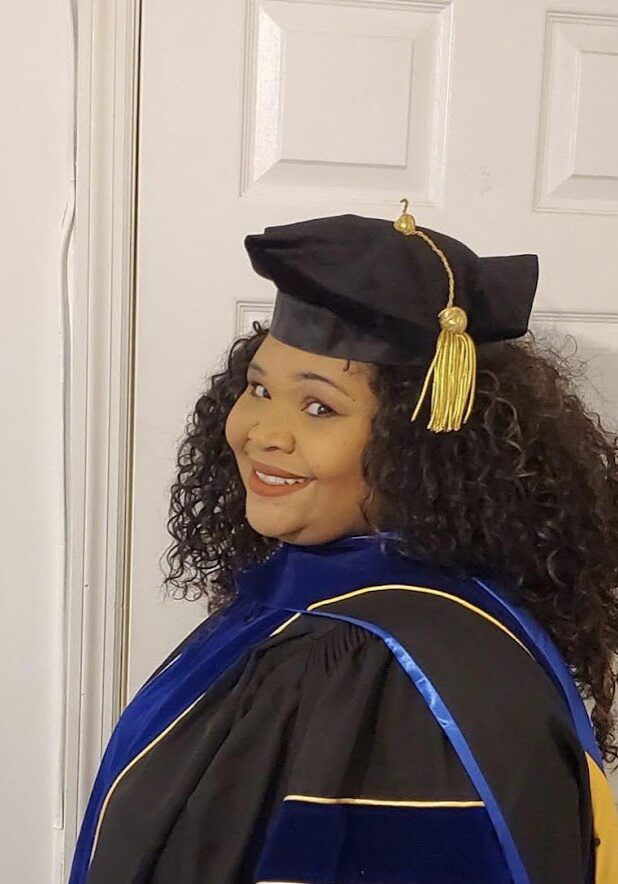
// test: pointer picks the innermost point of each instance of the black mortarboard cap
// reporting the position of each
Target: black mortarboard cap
(375, 290)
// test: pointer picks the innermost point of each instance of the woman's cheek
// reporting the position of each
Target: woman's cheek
(235, 425)
(335, 457)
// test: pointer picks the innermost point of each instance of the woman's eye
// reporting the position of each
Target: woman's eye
(253, 385)
(327, 412)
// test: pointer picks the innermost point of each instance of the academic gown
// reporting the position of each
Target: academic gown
(354, 716)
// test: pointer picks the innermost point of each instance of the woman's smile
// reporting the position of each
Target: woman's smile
(274, 486)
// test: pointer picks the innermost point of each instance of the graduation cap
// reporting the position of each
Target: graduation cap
(386, 292)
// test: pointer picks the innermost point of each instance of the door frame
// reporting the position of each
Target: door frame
(99, 397)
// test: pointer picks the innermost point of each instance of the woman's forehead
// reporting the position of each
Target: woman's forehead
(283, 359)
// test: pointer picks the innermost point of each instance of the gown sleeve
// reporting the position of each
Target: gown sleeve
(315, 760)
(373, 790)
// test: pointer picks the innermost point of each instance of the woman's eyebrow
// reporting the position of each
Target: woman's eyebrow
(306, 376)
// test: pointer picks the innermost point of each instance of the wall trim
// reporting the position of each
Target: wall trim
(99, 404)
(581, 316)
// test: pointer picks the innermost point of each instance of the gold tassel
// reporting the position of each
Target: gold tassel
(453, 367)
(454, 374)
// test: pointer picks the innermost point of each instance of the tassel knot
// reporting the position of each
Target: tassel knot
(453, 368)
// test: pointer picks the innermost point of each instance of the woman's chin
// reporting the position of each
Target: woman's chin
(274, 525)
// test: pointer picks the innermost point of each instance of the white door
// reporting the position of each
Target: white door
(496, 119)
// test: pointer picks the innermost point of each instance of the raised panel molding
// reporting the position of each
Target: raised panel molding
(577, 167)
(310, 120)
(249, 311)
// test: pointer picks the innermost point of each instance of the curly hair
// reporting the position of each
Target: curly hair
(526, 493)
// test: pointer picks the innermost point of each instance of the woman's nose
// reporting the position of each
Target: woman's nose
(267, 437)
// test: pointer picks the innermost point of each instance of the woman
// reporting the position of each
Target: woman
(386, 690)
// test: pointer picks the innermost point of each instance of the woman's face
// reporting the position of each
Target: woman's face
(304, 415)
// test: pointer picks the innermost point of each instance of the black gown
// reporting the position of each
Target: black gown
(311, 757)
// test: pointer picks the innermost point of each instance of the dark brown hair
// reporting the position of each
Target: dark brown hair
(526, 493)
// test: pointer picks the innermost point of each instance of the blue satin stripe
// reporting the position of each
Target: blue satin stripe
(487, 596)
(381, 845)
(452, 732)
(159, 703)
(546, 652)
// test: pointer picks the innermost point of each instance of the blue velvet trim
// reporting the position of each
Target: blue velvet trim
(441, 713)
(158, 703)
(352, 843)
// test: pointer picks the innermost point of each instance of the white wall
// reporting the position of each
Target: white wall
(35, 188)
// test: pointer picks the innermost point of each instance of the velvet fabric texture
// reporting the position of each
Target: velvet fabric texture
(400, 845)
(355, 288)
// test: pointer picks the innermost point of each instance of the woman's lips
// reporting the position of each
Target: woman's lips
(256, 484)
